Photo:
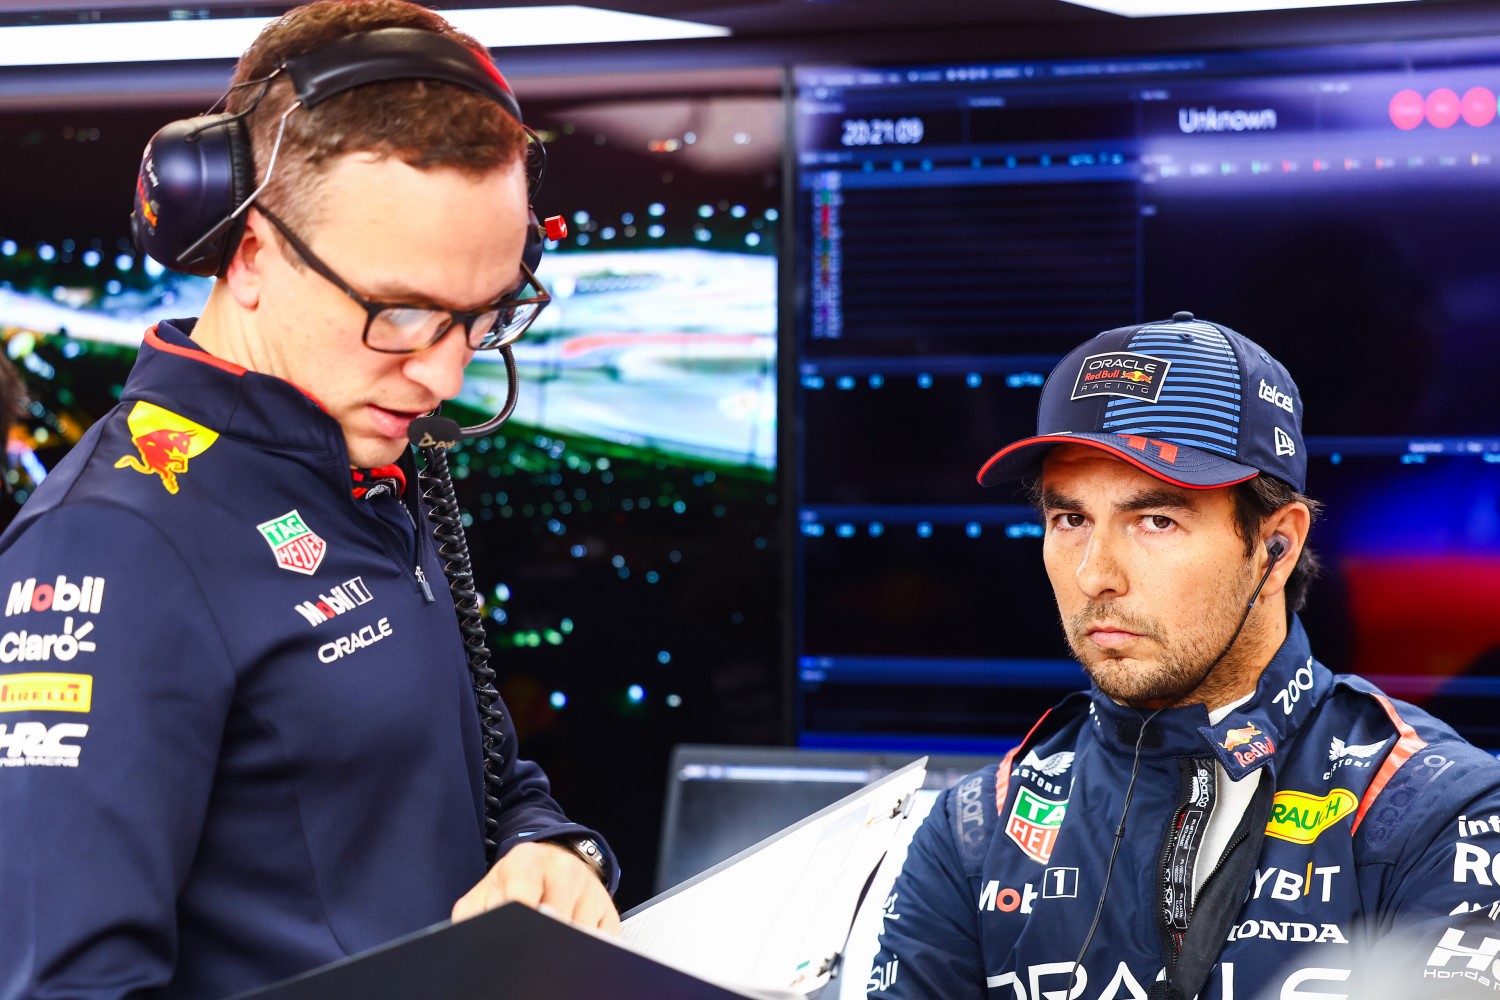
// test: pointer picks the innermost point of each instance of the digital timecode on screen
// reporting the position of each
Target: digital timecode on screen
(882, 131)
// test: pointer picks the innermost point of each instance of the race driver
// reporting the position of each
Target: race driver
(1220, 815)
(239, 735)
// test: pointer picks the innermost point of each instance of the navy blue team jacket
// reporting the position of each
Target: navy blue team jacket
(1373, 843)
(238, 737)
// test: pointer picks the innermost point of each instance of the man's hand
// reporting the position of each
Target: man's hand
(543, 874)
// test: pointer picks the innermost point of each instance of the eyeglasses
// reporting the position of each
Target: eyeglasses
(397, 328)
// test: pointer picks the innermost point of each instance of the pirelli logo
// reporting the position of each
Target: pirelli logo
(46, 692)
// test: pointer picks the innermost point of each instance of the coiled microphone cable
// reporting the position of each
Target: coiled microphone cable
(434, 436)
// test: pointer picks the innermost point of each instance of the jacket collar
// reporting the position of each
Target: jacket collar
(1247, 738)
(174, 372)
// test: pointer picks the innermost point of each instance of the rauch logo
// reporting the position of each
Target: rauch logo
(1302, 818)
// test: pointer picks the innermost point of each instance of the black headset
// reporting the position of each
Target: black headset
(197, 175)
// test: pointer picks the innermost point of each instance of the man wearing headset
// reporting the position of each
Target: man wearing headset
(239, 735)
(1220, 815)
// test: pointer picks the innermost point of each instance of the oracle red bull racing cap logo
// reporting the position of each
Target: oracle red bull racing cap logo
(296, 546)
(165, 442)
(1123, 373)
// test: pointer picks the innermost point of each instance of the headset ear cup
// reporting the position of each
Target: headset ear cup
(194, 174)
(242, 183)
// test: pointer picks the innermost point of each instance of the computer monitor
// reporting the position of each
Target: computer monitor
(959, 228)
(723, 799)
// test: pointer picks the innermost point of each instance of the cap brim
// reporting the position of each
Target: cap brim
(1182, 465)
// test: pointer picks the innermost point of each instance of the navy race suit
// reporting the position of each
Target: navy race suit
(238, 737)
(1372, 822)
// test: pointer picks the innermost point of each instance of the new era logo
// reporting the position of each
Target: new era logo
(1284, 443)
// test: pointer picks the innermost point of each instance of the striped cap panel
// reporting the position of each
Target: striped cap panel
(1198, 405)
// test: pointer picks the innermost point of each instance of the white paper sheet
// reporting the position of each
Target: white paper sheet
(774, 916)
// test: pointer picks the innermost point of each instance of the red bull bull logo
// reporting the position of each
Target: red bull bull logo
(165, 441)
(148, 210)
(1136, 376)
(1256, 744)
(1239, 737)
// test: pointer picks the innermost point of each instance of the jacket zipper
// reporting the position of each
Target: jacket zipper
(1172, 939)
(417, 573)
(426, 590)
(418, 536)
(1170, 946)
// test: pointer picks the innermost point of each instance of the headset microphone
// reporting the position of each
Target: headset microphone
(433, 431)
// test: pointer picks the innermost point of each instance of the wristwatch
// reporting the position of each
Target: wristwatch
(589, 850)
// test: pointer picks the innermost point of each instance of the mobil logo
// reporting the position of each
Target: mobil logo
(60, 594)
(345, 597)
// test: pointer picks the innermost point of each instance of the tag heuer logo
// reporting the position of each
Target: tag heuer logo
(1034, 822)
(296, 546)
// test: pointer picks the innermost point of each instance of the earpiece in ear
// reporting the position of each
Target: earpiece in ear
(1277, 545)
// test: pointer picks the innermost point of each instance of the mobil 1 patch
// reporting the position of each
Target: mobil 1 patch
(1121, 373)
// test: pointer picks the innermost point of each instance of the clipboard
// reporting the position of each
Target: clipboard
(682, 945)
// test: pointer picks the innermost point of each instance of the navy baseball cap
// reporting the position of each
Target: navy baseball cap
(1193, 403)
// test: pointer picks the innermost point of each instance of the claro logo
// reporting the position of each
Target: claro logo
(1211, 119)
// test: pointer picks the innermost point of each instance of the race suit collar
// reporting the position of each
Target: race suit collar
(1288, 690)
(175, 373)
(1248, 737)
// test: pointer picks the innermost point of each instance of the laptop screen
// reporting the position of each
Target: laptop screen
(721, 800)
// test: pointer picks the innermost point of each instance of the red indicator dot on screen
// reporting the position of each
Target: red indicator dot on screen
(1479, 106)
(1407, 110)
(1442, 107)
